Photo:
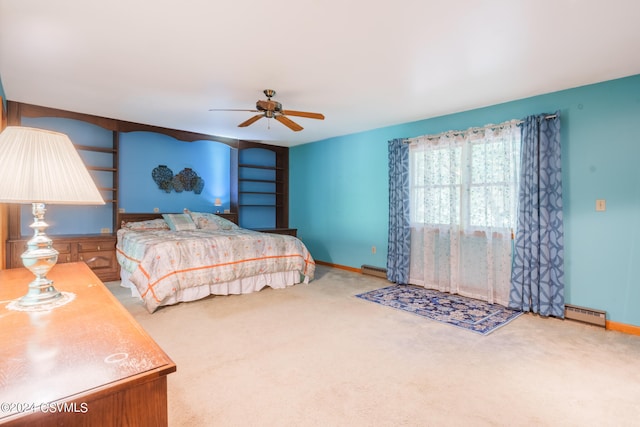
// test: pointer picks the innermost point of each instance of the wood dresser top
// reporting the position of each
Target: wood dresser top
(77, 349)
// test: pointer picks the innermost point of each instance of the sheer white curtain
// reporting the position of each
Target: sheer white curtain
(463, 210)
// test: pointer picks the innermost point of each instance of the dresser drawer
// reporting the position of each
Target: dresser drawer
(98, 245)
(61, 247)
(103, 263)
(18, 247)
(98, 259)
(65, 251)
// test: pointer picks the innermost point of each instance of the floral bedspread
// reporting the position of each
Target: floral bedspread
(161, 262)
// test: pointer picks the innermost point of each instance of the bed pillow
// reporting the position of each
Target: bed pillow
(210, 221)
(179, 222)
(151, 224)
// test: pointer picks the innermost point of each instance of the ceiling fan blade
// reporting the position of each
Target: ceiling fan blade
(288, 123)
(303, 114)
(232, 109)
(251, 120)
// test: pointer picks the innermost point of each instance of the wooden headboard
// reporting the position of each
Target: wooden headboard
(144, 216)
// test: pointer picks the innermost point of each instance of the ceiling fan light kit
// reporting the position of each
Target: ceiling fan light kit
(273, 110)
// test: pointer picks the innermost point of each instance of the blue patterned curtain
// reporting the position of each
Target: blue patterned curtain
(537, 277)
(399, 227)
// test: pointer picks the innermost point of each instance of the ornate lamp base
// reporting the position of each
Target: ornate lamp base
(42, 304)
(39, 258)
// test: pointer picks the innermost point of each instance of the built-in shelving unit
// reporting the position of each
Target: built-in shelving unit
(105, 177)
(263, 186)
(109, 194)
(257, 182)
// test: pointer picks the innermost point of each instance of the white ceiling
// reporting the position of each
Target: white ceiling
(363, 64)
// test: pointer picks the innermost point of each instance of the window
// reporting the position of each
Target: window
(463, 203)
(466, 179)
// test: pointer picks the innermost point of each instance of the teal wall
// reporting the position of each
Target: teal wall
(141, 152)
(339, 190)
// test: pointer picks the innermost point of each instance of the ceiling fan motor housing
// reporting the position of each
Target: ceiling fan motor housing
(269, 106)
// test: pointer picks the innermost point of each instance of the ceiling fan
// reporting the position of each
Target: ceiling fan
(273, 110)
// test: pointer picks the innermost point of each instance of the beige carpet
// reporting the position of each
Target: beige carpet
(315, 355)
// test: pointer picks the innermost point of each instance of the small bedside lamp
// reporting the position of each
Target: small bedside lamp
(39, 166)
(217, 203)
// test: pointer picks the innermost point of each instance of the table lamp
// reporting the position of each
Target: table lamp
(39, 166)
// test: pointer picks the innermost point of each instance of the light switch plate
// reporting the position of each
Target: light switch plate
(601, 205)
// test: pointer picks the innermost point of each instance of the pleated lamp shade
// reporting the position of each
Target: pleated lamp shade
(38, 165)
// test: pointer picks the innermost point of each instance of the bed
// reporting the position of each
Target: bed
(170, 258)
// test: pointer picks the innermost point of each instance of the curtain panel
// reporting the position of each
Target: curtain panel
(463, 209)
(537, 279)
(399, 229)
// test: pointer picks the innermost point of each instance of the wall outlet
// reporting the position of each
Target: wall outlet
(373, 249)
(121, 210)
(156, 210)
(105, 230)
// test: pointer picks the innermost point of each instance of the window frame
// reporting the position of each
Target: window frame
(467, 180)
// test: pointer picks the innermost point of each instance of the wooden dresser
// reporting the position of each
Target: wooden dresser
(98, 251)
(85, 363)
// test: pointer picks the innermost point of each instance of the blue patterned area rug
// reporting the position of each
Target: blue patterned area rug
(466, 313)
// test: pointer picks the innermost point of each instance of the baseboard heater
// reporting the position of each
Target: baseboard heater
(586, 315)
(373, 271)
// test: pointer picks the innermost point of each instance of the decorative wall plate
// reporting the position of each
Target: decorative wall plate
(162, 176)
(186, 180)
